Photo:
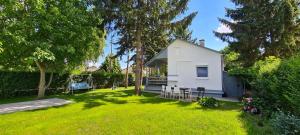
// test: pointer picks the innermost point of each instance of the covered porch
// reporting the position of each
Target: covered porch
(157, 72)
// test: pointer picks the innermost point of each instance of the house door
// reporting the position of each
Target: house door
(186, 74)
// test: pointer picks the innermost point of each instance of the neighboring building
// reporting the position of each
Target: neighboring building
(91, 69)
(188, 65)
(130, 70)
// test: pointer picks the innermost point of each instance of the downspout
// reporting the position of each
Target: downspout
(222, 73)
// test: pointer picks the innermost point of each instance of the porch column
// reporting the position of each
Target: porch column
(157, 68)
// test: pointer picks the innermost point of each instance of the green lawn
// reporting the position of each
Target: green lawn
(120, 112)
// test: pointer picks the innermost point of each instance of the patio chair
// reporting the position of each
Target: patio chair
(176, 92)
(201, 91)
(163, 91)
(189, 94)
(168, 92)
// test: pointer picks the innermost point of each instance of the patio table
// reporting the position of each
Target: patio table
(183, 90)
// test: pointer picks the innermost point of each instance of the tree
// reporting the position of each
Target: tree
(185, 34)
(230, 59)
(262, 28)
(111, 64)
(146, 24)
(127, 66)
(53, 35)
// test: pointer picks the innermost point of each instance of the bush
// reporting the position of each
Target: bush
(106, 80)
(208, 102)
(252, 105)
(26, 83)
(286, 124)
(277, 83)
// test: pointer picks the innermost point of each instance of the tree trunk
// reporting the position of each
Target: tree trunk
(49, 81)
(42, 84)
(126, 74)
(142, 67)
(138, 59)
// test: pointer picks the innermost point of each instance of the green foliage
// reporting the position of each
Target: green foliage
(262, 28)
(157, 21)
(277, 83)
(286, 124)
(106, 80)
(111, 65)
(54, 35)
(209, 102)
(15, 84)
(230, 59)
(59, 34)
(25, 83)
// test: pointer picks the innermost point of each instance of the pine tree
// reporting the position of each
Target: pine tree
(111, 64)
(143, 25)
(262, 28)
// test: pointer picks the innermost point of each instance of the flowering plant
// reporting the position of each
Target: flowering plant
(251, 105)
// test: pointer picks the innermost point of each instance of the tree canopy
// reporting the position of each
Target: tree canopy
(53, 35)
(143, 25)
(111, 64)
(262, 28)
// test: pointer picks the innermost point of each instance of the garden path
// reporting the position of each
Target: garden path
(32, 105)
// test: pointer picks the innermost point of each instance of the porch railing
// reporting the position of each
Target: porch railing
(156, 81)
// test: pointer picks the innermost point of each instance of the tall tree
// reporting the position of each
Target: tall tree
(53, 35)
(146, 23)
(127, 66)
(262, 28)
(111, 64)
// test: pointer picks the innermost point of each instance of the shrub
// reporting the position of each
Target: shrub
(286, 124)
(252, 105)
(105, 80)
(208, 102)
(277, 83)
(26, 83)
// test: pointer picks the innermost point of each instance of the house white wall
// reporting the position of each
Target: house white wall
(184, 57)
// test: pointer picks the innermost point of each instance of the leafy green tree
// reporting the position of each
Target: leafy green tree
(143, 26)
(230, 59)
(111, 64)
(52, 35)
(262, 28)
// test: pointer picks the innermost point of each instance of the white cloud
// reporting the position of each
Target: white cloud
(223, 29)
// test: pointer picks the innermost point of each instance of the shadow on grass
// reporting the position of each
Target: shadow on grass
(223, 106)
(47, 108)
(92, 104)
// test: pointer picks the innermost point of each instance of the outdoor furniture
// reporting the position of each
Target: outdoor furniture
(201, 91)
(187, 94)
(176, 93)
(163, 91)
(80, 82)
(168, 92)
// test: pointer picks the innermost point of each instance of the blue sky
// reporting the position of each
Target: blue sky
(202, 26)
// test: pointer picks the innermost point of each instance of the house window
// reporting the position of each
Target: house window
(202, 71)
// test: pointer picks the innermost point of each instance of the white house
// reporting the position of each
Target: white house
(188, 65)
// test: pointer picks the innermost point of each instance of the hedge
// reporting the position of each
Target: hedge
(26, 83)
(107, 80)
(15, 84)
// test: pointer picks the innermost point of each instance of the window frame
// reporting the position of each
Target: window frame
(202, 66)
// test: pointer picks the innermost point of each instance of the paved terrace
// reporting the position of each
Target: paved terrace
(32, 105)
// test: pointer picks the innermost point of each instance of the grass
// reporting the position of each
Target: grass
(121, 112)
